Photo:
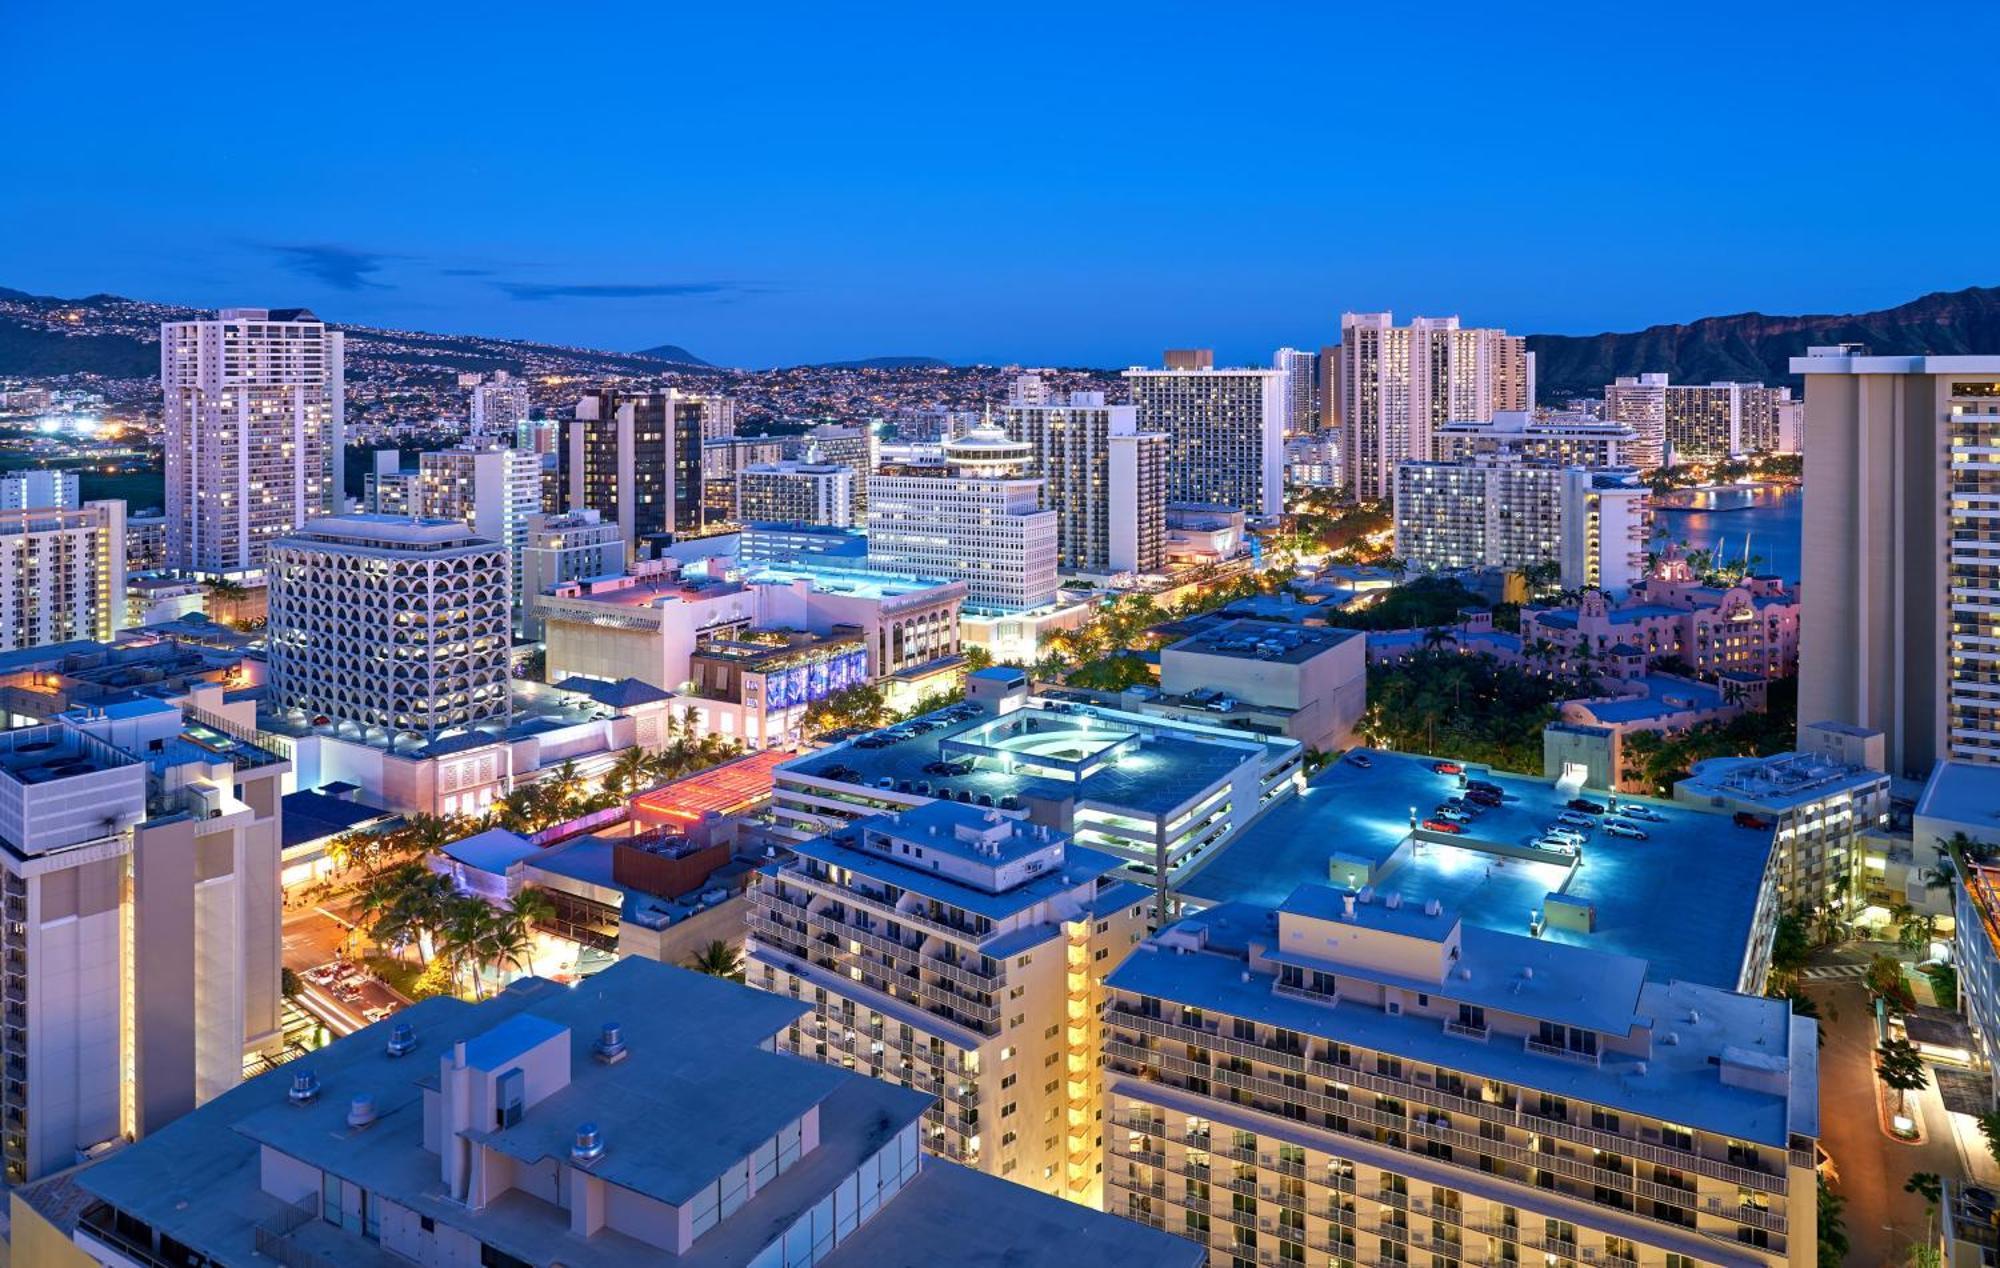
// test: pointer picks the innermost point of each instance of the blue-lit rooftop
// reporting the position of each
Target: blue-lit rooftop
(1684, 899)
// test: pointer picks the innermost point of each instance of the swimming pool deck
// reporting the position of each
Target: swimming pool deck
(1684, 899)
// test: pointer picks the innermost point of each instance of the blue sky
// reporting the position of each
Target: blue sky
(1074, 184)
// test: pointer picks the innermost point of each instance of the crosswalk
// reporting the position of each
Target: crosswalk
(1833, 972)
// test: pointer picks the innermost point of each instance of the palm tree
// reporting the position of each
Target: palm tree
(1436, 637)
(628, 771)
(467, 922)
(718, 959)
(532, 907)
(506, 944)
(408, 903)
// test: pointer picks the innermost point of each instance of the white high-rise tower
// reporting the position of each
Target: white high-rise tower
(255, 406)
(1398, 384)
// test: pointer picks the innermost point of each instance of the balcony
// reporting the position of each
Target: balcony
(1559, 1052)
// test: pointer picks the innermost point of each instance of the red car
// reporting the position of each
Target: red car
(1442, 825)
(1744, 819)
(1448, 768)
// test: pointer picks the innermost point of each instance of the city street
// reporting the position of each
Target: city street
(1881, 1218)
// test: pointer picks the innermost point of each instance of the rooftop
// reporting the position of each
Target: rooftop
(689, 1102)
(1051, 751)
(1265, 640)
(311, 816)
(1678, 1081)
(1964, 793)
(1663, 696)
(1776, 783)
(1491, 875)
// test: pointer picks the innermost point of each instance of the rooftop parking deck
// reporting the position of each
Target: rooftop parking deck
(1684, 899)
(1150, 765)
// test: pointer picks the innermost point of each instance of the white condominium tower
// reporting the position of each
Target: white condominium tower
(1104, 478)
(1502, 512)
(795, 493)
(38, 488)
(975, 517)
(1900, 575)
(255, 405)
(392, 624)
(1640, 402)
(1226, 434)
(62, 575)
(493, 491)
(1709, 422)
(1399, 384)
(499, 408)
(1302, 389)
(1363, 1078)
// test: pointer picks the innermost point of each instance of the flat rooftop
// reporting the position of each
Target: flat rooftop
(1678, 1082)
(1080, 867)
(1779, 782)
(1684, 899)
(1664, 695)
(1171, 763)
(864, 583)
(1964, 793)
(1265, 641)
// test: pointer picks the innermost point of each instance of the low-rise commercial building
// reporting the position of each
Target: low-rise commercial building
(1368, 1077)
(646, 1117)
(962, 951)
(1159, 793)
(1318, 676)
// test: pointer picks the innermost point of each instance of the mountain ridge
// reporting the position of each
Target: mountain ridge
(1759, 346)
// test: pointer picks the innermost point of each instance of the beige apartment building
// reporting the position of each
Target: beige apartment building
(1355, 1078)
(1900, 630)
(961, 951)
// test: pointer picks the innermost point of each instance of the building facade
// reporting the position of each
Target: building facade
(1508, 514)
(795, 492)
(1398, 384)
(1750, 628)
(255, 421)
(391, 625)
(497, 409)
(854, 447)
(1105, 480)
(492, 490)
(1363, 1078)
(636, 459)
(961, 951)
(1639, 401)
(1303, 406)
(564, 548)
(142, 940)
(1570, 440)
(38, 489)
(1900, 566)
(1225, 430)
(62, 575)
(975, 517)
(1714, 421)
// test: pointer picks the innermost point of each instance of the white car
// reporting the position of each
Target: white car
(1455, 816)
(1576, 821)
(1564, 835)
(1556, 844)
(1642, 812)
(1625, 830)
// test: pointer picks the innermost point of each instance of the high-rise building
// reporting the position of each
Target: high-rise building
(38, 489)
(1501, 512)
(975, 517)
(493, 491)
(648, 1118)
(1399, 384)
(636, 459)
(563, 548)
(389, 487)
(795, 492)
(1190, 359)
(62, 574)
(1639, 401)
(854, 447)
(255, 403)
(1104, 478)
(718, 417)
(1369, 1079)
(143, 930)
(1900, 629)
(960, 951)
(1710, 422)
(390, 624)
(1226, 434)
(499, 409)
(1565, 439)
(1301, 389)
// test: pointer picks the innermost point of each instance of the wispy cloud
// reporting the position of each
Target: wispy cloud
(466, 272)
(616, 290)
(343, 268)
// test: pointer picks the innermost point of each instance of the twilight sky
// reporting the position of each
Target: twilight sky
(1074, 183)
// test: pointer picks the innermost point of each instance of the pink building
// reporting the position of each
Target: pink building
(1750, 628)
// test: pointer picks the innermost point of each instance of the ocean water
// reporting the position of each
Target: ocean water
(1770, 527)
